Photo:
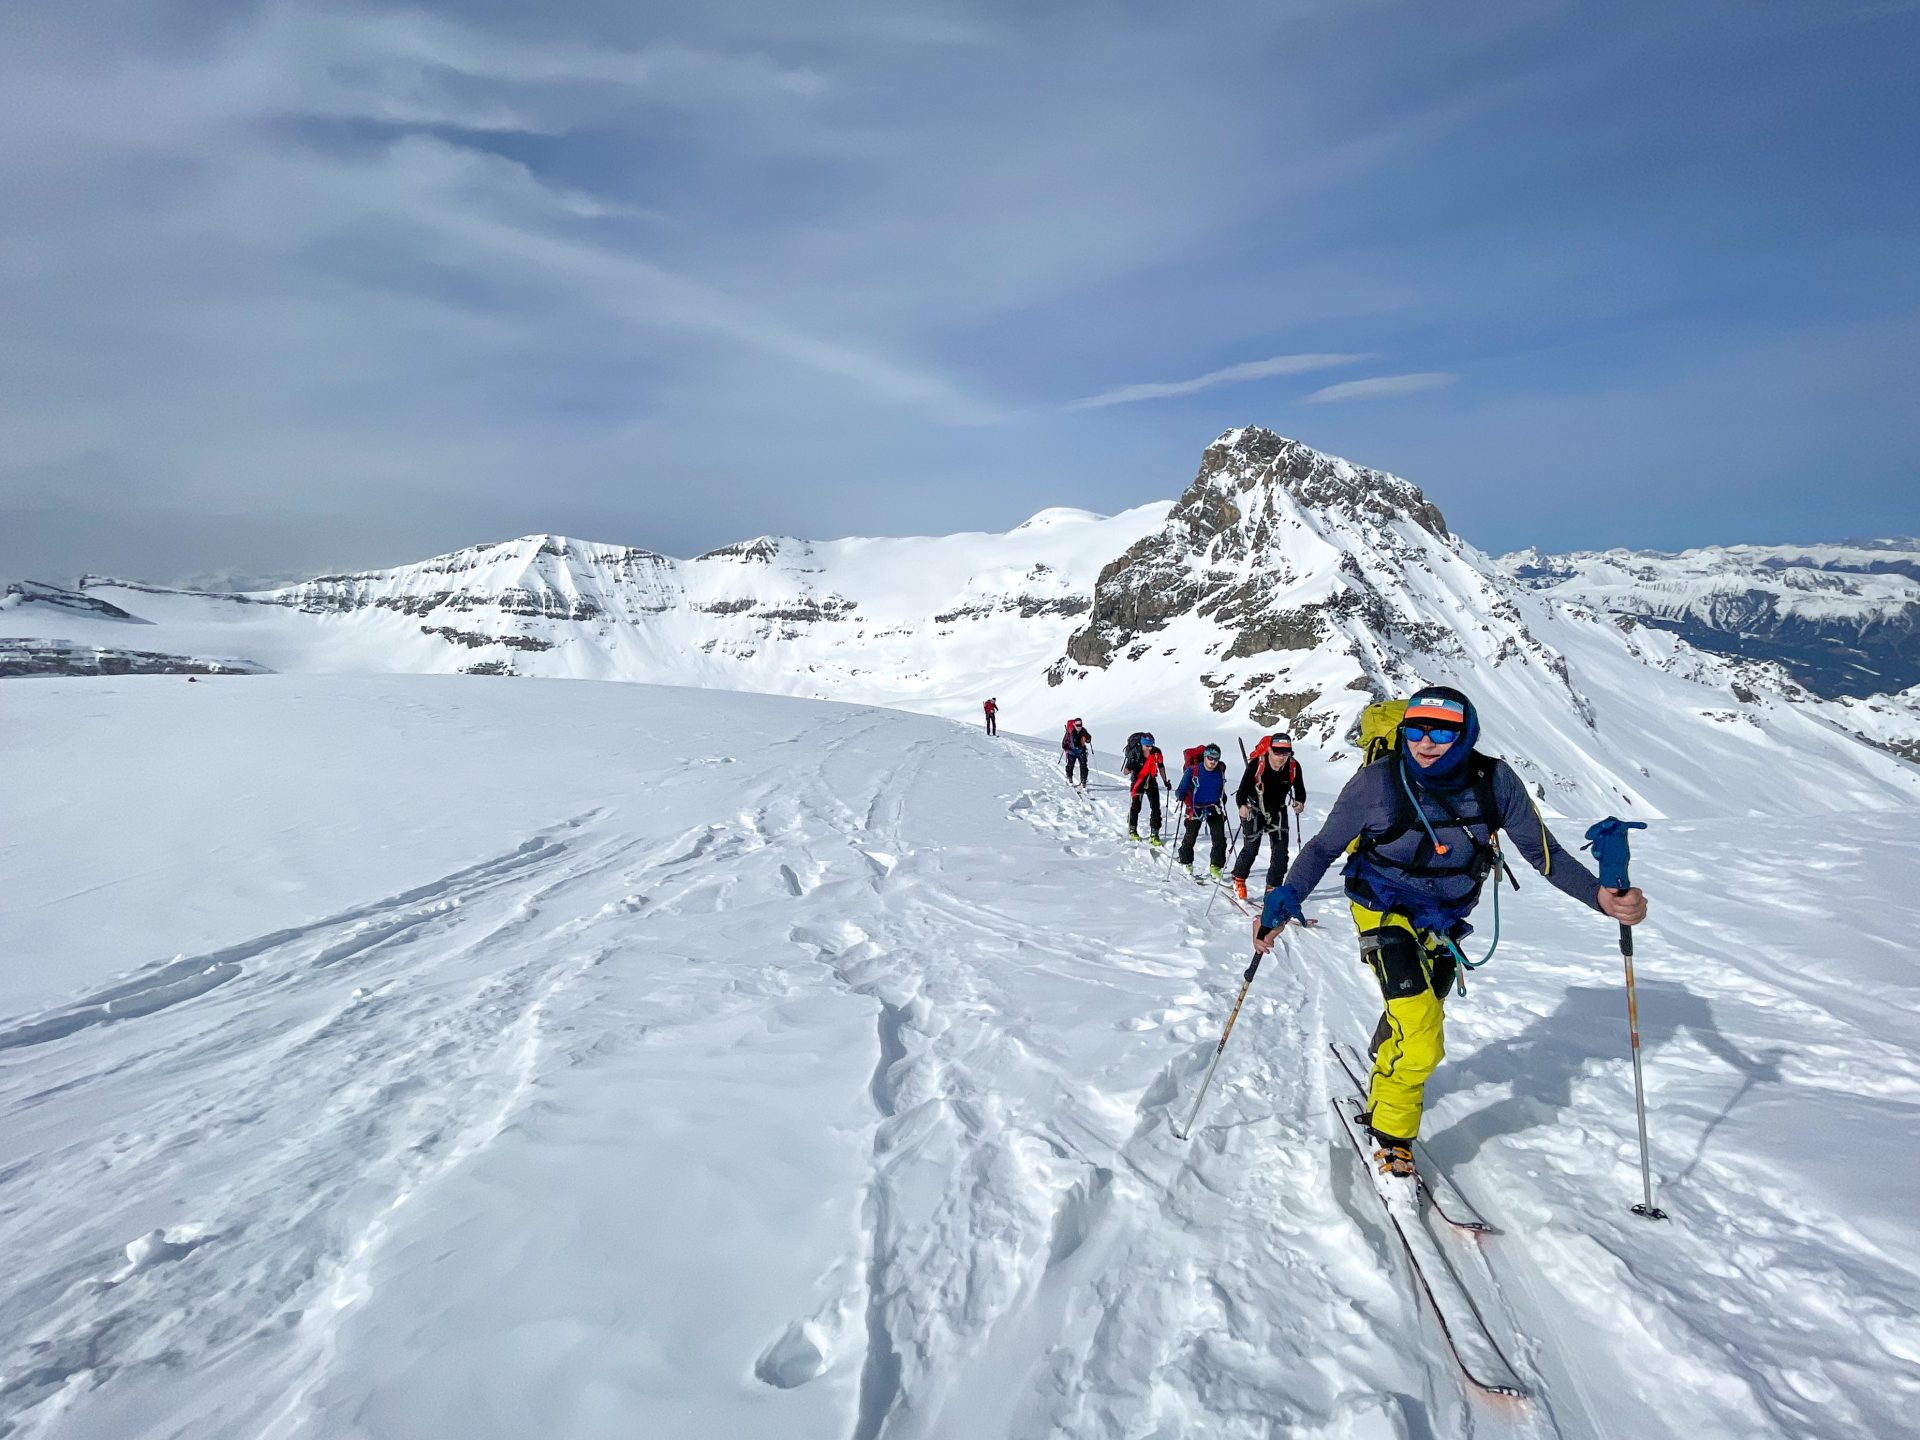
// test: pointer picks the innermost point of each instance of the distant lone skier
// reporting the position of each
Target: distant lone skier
(1422, 820)
(1077, 742)
(1148, 767)
(1203, 786)
(1272, 781)
(992, 707)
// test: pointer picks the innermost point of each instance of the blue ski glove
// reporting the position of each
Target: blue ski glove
(1281, 904)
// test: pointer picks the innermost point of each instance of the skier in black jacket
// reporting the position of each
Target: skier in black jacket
(1272, 778)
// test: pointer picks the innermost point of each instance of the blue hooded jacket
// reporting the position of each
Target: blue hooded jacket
(1202, 788)
(1421, 832)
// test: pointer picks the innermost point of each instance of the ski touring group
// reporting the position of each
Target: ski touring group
(1419, 831)
(1270, 783)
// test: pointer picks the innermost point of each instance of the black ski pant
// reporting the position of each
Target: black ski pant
(1149, 792)
(1276, 857)
(1217, 831)
(1081, 761)
(993, 723)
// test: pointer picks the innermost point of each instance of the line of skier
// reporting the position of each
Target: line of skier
(1418, 831)
(1271, 795)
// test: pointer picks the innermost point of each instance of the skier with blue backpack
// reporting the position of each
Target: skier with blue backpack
(1075, 745)
(1419, 826)
(1203, 790)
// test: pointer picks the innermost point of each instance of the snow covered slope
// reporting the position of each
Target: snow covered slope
(417, 1056)
(1284, 587)
(1843, 619)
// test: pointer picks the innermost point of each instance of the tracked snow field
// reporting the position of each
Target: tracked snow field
(417, 1057)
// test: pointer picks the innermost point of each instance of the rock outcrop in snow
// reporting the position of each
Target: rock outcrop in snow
(20, 658)
(34, 592)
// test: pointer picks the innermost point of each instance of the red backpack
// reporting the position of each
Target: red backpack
(1190, 760)
(1260, 753)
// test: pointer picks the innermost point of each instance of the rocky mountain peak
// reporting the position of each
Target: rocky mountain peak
(1305, 580)
(1242, 463)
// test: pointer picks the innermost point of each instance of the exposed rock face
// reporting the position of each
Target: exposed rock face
(1324, 572)
(64, 657)
(35, 592)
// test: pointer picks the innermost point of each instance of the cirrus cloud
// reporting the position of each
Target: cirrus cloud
(1380, 387)
(1230, 375)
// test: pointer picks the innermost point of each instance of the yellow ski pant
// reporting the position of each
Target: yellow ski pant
(1415, 1030)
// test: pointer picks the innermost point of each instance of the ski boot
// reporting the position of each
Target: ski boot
(1156, 842)
(1393, 1158)
(1214, 872)
(1134, 835)
(1240, 887)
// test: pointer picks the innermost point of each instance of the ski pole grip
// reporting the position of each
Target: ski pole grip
(1608, 841)
(1253, 969)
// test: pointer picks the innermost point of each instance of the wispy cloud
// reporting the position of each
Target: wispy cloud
(1380, 387)
(1232, 375)
(435, 270)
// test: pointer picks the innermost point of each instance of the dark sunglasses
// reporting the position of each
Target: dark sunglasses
(1438, 734)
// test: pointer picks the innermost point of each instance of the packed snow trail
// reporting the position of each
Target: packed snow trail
(727, 1065)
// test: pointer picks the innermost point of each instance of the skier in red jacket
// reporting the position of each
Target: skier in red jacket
(1148, 768)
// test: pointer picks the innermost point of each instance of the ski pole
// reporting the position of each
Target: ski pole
(1246, 984)
(1608, 841)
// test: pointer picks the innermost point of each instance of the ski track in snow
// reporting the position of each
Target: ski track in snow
(1025, 1249)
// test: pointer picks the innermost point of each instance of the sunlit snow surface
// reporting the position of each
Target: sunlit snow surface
(416, 1056)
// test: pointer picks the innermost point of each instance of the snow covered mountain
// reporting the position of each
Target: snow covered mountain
(1284, 587)
(1844, 620)
(1291, 588)
(922, 622)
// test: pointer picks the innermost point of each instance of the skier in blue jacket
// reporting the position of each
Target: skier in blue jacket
(1203, 788)
(1421, 822)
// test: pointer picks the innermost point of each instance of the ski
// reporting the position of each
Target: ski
(1446, 1198)
(1469, 1340)
(1233, 897)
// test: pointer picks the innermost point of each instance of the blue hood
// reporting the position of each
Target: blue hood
(1449, 772)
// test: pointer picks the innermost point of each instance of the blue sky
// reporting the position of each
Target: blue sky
(296, 287)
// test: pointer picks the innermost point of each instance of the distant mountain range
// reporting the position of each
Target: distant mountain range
(1841, 619)
(1283, 588)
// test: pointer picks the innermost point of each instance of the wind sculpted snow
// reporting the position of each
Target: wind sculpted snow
(609, 1060)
